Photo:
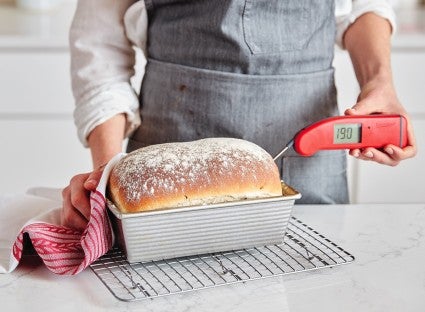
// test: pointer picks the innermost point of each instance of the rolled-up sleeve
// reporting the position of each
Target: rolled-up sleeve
(102, 64)
(348, 11)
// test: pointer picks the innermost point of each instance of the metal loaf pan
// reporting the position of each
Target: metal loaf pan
(195, 230)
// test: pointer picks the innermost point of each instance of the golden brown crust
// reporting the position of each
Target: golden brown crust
(192, 173)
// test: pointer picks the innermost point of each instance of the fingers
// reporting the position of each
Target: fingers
(372, 154)
(76, 199)
(411, 148)
(390, 155)
(93, 179)
(70, 216)
(379, 96)
(76, 203)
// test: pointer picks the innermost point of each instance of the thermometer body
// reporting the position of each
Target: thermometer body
(350, 132)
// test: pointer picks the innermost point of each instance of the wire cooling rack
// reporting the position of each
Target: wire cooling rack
(303, 249)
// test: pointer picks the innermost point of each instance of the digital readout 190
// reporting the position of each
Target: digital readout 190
(347, 133)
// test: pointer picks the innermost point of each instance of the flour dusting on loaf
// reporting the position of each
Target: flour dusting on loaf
(200, 172)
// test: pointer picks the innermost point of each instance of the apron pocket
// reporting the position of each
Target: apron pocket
(273, 26)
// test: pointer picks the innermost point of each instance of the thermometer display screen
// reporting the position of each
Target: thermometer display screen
(347, 133)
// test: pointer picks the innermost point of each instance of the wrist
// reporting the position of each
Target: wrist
(100, 161)
(105, 141)
(374, 74)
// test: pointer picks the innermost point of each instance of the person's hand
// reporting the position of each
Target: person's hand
(379, 96)
(76, 199)
(105, 142)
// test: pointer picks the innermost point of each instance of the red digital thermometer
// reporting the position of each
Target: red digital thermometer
(350, 132)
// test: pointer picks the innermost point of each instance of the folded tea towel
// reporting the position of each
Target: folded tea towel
(63, 250)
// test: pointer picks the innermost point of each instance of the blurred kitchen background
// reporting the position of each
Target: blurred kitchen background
(38, 140)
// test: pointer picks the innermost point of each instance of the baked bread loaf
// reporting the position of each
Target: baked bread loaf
(200, 172)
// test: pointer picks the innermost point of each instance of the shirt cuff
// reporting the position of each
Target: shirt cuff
(360, 7)
(115, 99)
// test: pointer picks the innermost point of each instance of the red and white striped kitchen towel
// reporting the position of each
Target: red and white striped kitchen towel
(63, 250)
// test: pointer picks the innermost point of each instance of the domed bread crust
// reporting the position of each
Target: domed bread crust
(207, 171)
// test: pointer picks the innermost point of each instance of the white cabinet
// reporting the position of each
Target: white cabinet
(39, 151)
(371, 182)
(38, 138)
(39, 145)
(35, 82)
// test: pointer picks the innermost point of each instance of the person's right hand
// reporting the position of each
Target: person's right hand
(76, 199)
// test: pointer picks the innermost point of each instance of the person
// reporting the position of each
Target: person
(259, 70)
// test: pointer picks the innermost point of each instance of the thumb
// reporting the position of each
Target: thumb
(93, 180)
(362, 107)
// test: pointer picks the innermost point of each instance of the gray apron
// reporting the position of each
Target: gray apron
(258, 70)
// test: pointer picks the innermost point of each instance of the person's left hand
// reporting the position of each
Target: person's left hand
(379, 96)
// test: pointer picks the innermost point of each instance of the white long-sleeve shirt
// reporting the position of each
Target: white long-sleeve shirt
(102, 40)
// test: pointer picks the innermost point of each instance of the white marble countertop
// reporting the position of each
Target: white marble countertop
(27, 29)
(388, 274)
